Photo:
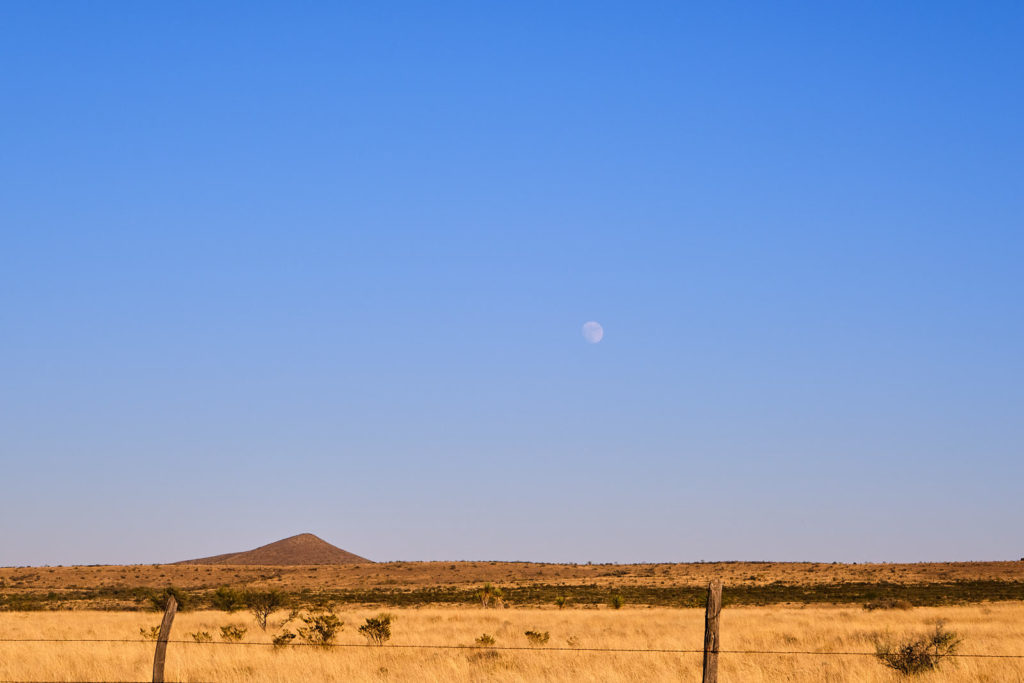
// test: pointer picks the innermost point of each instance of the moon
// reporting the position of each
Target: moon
(592, 332)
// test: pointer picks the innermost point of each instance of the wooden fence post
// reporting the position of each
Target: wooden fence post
(711, 641)
(161, 641)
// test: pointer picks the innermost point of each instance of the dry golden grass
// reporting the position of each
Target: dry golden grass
(996, 628)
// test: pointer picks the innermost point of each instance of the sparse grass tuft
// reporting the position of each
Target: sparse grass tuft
(232, 633)
(888, 603)
(485, 640)
(538, 637)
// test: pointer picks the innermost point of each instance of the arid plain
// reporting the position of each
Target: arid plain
(412, 583)
(811, 608)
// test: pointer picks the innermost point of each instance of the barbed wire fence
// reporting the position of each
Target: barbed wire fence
(527, 648)
(710, 651)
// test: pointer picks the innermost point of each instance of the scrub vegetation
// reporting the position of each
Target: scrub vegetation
(503, 584)
(546, 641)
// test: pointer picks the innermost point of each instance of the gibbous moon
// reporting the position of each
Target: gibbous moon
(593, 332)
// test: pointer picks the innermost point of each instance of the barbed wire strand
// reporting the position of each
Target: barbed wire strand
(501, 647)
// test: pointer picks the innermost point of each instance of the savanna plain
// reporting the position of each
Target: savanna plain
(843, 609)
(989, 629)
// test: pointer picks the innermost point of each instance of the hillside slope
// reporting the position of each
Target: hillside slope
(295, 550)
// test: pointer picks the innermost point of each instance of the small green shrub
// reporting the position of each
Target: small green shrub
(538, 637)
(150, 633)
(919, 655)
(232, 633)
(158, 599)
(377, 630)
(561, 601)
(227, 599)
(616, 601)
(320, 629)
(202, 637)
(485, 640)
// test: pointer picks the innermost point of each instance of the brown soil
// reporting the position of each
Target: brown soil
(412, 575)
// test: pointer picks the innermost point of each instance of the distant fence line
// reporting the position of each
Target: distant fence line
(545, 648)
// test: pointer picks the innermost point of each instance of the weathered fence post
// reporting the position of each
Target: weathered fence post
(161, 641)
(711, 641)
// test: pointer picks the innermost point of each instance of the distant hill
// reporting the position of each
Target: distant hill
(295, 550)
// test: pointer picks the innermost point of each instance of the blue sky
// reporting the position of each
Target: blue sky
(314, 267)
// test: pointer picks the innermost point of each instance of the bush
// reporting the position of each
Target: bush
(150, 633)
(294, 613)
(616, 601)
(264, 603)
(490, 596)
(283, 639)
(158, 599)
(377, 630)
(232, 633)
(920, 654)
(538, 637)
(202, 637)
(561, 601)
(227, 599)
(485, 640)
(320, 629)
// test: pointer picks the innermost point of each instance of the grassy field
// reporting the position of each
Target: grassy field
(996, 628)
(769, 606)
(432, 583)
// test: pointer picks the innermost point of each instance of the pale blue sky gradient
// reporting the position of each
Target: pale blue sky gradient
(315, 267)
